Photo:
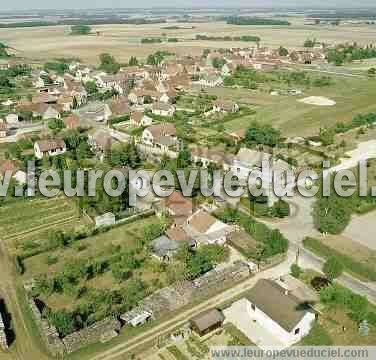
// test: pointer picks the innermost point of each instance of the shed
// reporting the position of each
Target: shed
(207, 322)
(107, 219)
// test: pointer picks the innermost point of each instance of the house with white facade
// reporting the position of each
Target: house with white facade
(139, 119)
(270, 316)
(221, 106)
(44, 148)
(161, 136)
(163, 109)
(206, 229)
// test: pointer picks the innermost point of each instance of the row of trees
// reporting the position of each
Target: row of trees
(246, 20)
(348, 53)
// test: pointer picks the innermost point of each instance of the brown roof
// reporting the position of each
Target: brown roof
(201, 221)
(103, 140)
(165, 129)
(47, 145)
(177, 234)
(239, 134)
(44, 98)
(285, 309)
(219, 157)
(8, 165)
(208, 319)
(137, 116)
(119, 106)
(72, 121)
(225, 105)
(179, 204)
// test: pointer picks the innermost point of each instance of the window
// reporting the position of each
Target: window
(253, 307)
(297, 331)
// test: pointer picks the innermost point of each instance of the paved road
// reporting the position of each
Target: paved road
(166, 327)
(301, 225)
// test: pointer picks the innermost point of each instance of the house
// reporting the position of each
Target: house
(43, 110)
(178, 206)
(206, 229)
(44, 148)
(164, 248)
(66, 102)
(162, 136)
(178, 234)
(210, 81)
(3, 336)
(3, 130)
(100, 141)
(270, 316)
(247, 160)
(8, 165)
(203, 156)
(44, 98)
(118, 82)
(207, 322)
(136, 317)
(143, 96)
(95, 111)
(139, 119)
(225, 106)
(72, 121)
(163, 109)
(238, 135)
(119, 107)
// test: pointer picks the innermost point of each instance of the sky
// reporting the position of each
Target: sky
(89, 4)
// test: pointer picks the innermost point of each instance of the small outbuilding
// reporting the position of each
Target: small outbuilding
(207, 322)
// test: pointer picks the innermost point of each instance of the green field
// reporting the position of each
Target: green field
(352, 95)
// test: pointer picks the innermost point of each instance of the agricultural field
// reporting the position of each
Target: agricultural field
(29, 222)
(294, 118)
(124, 41)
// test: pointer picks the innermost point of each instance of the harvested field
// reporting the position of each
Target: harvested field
(123, 41)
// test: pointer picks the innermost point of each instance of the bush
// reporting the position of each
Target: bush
(296, 271)
(333, 268)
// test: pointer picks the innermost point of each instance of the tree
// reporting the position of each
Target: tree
(80, 30)
(310, 43)
(133, 61)
(265, 135)
(108, 64)
(218, 63)
(3, 50)
(184, 158)
(327, 136)
(331, 214)
(91, 87)
(296, 271)
(333, 268)
(372, 71)
(282, 51)
(63, 321)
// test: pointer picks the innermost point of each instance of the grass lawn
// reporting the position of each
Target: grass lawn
(352, 95)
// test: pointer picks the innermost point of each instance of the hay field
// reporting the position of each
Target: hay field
(123, 41)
